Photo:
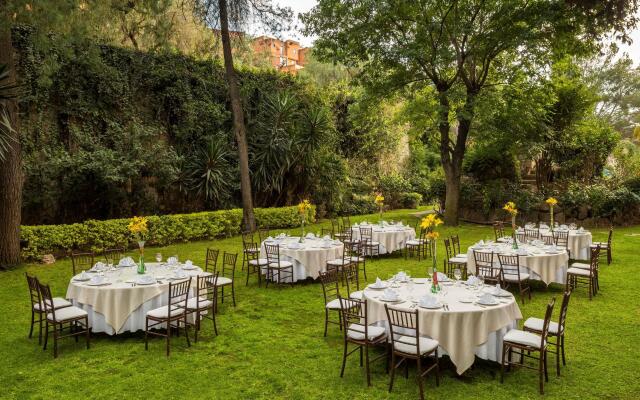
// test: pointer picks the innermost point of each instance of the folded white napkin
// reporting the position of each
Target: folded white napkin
(496, 290)
(188, 263)
(390, 294)
(326, 237)
(179, 273)
(310, 235)
(472, 280)
(544, 226)
(428, 300)
(378, 283)
(481, 242)
(487, 298)
(97, 279)
(581, 229)
(442, 277)
(98, 266)
(145, 279)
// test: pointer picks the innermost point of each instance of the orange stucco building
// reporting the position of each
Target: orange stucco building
(286, 56)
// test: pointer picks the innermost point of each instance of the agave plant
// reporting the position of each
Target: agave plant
(7, 92)
(210, 171)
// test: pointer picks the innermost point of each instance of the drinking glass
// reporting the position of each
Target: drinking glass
(457, 274)
(158, 257)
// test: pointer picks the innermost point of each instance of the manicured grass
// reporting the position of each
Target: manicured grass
(271, 345)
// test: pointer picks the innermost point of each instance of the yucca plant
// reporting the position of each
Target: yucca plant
(210, 171)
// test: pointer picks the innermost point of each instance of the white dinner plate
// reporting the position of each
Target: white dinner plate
(420, 280)
(98, 284)
(489, 303)
(187, 268)
(384, 286)
(145, 283)
(467, 300)
(396, 300)
(81, 279)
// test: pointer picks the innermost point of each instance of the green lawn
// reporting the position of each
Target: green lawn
(271, 345)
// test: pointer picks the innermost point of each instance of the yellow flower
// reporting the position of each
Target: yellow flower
(510, 207)
(432, 235)
(138, 225)
(379, 200)
(303, 207)
(430, 221)
(551, 201)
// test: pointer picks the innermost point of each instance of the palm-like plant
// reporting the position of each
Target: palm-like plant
(210, 172)
(7, 92)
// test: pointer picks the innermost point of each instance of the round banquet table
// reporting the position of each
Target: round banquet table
(308, 258)
(465, 331)
(121, 305)
(391, 237)
(579, 243)
(539, 262)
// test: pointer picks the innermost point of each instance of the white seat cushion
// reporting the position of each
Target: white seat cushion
(356, 259)
(259, 262)
(602, 244)
(415, 242)
(524, 338)
(252, 251)
(223, 280)
(461, 256)
(192, 303)
(514, 278)
(579, 271)
(66, 313)
(373, 243)
(356, 332)
(407, 344)
(283, 264)
(58, 302)
(359, 295)
(163, 312)
(536, 325)
(580, 265)
(334, 304)
(338, 262)
(458, 260)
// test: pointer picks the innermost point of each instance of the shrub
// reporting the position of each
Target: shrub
(490, 162)
(410, 200)
(165, 229)
(358, 205)
(392, 186)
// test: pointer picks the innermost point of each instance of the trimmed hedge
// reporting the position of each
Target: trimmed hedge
(164, 229)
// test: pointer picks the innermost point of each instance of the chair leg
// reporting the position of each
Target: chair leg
(186, 330)
(437, 369)
(46, 335)
(366, 365)
(344, 359)
(557, 356)
(419, 373)
(33, 320)
(326, 321)
(564, 362)
(233, 293)
(393, 370)
(168, 337)
(55, 341)
(87, 332)
(146, 334)
(546, 368)
(541, 372)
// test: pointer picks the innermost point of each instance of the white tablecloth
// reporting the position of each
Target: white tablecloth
(466, 331)
(390, 237)
(121, 307)
(579, 243)
(309, 258)
(541, 265)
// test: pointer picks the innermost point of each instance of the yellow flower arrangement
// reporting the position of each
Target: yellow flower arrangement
(303, 207)
(379, 200)
(432, 235)
(138, 227)
(510, 207)
(551, 201)
(430, 222)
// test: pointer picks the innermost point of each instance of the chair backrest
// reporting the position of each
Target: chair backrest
(229, 261)
(273, 253)
(545, 324)
(330, 288)
(252, 251)
(352, 280)
(610, 236)
(563, 311)
(263, 233)
(595, 259)
(346, 222)
(521, 236)
(81, 261)
(113, 256)
(206, 288)
(326, 231)
(404, 328)
(178, 295)
(484, 263)
(498, 229)
(447, 247)
(509, 267)
(455, 243)
(47, 300)
(366, 234)
(548, 240)
(211, 260)
(347, 234)
(561, 239)
(247, 239)
(34, 290)
(531, 233)
(335, 226)
(354, 318)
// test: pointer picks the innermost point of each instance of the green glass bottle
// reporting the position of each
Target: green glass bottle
(141, 267)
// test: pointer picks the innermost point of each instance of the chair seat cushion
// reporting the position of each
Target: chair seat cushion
(373, 244)
(67, 313)
(339, 262)
(192, 303)
(580, 265)
(356, 259)
(356, 332)
(523, 338)
(458, 260)
(58, 302)
(407, 345)
(283, 264)
(359, 295)
(415, 242)
(259, 262)
(251, 251)
(334, 304)
(223, 281)
(579, 271)
(514, 278)
(603, 245)
(535, 324)
(461, 255)
(163, 312)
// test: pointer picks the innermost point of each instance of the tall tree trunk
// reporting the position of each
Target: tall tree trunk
(10, 168)
(239, 128)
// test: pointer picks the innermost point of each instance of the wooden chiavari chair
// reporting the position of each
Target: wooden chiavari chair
(485, 267)
(578, 274)
(521, 237)
(338, 229)
(455, 246)
(346, 222)
(453, 262)
(226, 277)
(340, 263)
(57, 318)
(357, 256)
(331, 293)
(171, 315)
(37, 307)
(510, 274)
(211, 260)
(528, 342)
(605, 246)
(531, 234)
(203, 304)
(283, 269)
(407, 344)
(498, 230)
(370, 247)
(327, 232)
(556, 330)
(417, 246)
(113, 256)
(263, 234)
(561, 239)
(352, 281)
(81, 262)
(358, 332)
(248, 247)
(255, 264)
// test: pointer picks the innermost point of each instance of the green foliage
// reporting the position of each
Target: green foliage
(489, 162)
(97, 235)
(392, 187)
(410, 200)
(357, 204)
(600, 201)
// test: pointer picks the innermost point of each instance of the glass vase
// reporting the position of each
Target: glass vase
(141, 267)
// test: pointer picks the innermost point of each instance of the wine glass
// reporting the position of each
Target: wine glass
(159, 257)
(457, 273)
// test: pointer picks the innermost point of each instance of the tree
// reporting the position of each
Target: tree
(457, 47)
(237, 13)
